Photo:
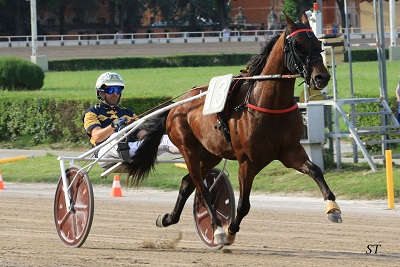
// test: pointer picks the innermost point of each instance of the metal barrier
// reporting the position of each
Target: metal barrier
(154, 37)
(133, 38)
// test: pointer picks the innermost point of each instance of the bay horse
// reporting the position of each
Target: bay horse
(263, 121)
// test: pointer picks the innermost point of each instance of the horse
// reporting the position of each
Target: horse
(263, 124)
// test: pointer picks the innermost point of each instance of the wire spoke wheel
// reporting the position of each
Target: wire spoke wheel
(223, 200)
(73, 225)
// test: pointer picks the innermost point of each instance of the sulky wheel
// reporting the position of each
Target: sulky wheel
(223, 200)
(73, 226)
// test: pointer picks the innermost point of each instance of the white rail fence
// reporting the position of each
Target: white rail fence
(159, 37)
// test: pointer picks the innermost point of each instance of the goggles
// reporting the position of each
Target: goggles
(113, 89)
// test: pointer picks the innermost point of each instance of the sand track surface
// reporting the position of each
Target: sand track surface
(279, 231)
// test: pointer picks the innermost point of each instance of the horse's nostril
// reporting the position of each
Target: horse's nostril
(322, 77)
(327, 76)
(321, 80)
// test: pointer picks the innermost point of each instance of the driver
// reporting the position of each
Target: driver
(104, 119)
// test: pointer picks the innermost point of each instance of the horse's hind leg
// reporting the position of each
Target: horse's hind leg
(187, 188)
(332, 209)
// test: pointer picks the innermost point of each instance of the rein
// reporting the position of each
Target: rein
(161, 105)
(269, 77)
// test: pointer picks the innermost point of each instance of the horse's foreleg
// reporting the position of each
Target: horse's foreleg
(243, 208)
(187, 188)
(332, 208)
(220, 236)
(315, 172)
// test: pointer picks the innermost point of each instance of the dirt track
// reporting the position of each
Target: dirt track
(279, 231)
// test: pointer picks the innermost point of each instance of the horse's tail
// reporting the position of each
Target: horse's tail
(144, 159)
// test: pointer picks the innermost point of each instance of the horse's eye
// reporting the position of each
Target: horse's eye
(299, 47)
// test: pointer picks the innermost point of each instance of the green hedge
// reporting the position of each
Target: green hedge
(150, 62)
(18, 74)
(364, 55)
(46, 121)
(176, 61)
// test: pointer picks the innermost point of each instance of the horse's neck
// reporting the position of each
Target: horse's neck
(276, 93)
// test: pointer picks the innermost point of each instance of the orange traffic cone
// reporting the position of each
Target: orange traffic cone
(1, 182)
(116, 190)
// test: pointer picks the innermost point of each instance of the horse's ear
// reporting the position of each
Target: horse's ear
(304, 18)
(290, 23)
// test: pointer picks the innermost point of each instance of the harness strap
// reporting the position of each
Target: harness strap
(265, 110)
(273, 111)
(222, 118)
(298, 31)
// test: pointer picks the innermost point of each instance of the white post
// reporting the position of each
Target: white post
(315, 19)
(394, 49)
(321, 15)
(392, 11)
(41, 61)
(34, 27)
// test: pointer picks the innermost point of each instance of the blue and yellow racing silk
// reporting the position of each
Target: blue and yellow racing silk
(102, 115)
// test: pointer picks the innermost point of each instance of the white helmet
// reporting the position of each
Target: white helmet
(109, 79)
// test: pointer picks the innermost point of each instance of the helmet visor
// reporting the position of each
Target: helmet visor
(113, 89)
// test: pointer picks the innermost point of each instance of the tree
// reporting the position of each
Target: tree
(111, 11)
(196, 12)
(133, 19)
(303, 5)
(206, 11)
(166, 9)
(12, 14)
(290, 9)
(128, 12)
(223, 9)
(58, 7)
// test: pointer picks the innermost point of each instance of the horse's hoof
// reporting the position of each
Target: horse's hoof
(159, 221)
(335, 216)
(220, 236)
(230, 238)
(333, 211)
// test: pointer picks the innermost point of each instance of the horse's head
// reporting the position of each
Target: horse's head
(303, 53)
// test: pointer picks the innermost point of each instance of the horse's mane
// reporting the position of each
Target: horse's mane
(257, 62)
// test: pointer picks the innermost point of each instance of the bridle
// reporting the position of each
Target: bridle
(296, 61)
